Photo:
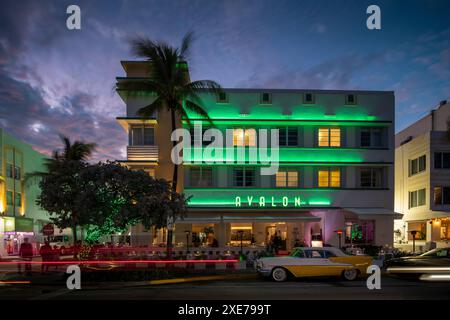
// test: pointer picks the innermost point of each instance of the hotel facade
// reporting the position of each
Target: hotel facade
(20, 216)
(336, 166)
(422, 181)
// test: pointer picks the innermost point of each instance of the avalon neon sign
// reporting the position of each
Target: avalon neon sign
(262, 201)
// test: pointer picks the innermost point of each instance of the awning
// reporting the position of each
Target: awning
(198, 217)
(428, 215)
(271, 217)
(362, 212)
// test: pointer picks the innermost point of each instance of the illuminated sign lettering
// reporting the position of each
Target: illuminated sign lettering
(252, 201)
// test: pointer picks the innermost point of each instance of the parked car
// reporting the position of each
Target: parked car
(314, 262)
(415, 266)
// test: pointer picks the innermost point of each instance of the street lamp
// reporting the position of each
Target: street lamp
(413, 233)
(241, 233)
(339, 232)
(187, 240)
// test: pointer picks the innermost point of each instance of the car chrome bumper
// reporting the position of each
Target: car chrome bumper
(264, 272)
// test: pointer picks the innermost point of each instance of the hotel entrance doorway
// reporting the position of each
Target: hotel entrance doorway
(274, 230)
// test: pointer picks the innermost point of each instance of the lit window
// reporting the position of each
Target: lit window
(150, 172)
(287, 179)
(329, 137)
(329, 177)
(244, 137)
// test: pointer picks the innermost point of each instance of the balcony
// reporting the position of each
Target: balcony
(142, 153)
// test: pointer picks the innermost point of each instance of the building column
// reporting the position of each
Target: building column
(220, 229)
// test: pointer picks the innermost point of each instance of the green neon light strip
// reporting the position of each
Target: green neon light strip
(265, 122)
(268, 203)
(299, 112)
(288, 155)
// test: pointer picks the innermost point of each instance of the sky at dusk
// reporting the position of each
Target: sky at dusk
(58, 81)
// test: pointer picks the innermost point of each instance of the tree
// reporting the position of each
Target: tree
(61, 183)
(170, 82)
(116, 197)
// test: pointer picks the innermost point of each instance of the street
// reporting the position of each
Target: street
(249, 287)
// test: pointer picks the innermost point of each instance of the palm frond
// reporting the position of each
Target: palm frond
(149, 111)
(185, 44)
(210, 85)
(191, 106)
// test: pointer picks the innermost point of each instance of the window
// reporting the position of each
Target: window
(350, 99)
(288, 136)
(286, 179)
(362, 232)
(266, 98)
(441, 195)
(371, 177)
(139, 136)
(417, 165)
(9, 198)
(370, 137)
(9, 170)
(420, 227)
(442, 160)
(417, 198)
(17, 173)
(314, 254)
(200, 177)
(329, 177)
(328, 137)
(222, 97)
(244, 137)
(308, 98)
(18, 199)
(244, 177)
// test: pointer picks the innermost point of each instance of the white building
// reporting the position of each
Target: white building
(336, 166)
(422, 181)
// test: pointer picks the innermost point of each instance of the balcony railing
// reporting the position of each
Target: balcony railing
(142, 153)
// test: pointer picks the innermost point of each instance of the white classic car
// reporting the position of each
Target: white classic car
(313, 262)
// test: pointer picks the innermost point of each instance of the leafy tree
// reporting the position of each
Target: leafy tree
(61, 182)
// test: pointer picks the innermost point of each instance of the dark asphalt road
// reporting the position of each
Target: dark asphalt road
(256, 288)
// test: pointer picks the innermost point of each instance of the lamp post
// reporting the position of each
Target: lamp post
(187, 240)
(339, 232)
(413, 233)
(241, 233)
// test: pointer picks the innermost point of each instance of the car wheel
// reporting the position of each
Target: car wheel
(350, 274)
(279, 274)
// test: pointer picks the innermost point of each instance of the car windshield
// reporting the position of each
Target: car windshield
(437, 253)
(298, 253)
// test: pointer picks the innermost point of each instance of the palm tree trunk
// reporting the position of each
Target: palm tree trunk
(75, 239)
(174, 184)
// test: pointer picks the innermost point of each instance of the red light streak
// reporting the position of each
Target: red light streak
(114, 262)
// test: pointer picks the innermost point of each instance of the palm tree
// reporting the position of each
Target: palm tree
(170, 83)
(76, 152)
